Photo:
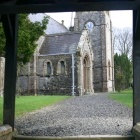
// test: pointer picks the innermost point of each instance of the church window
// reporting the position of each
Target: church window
(62, 67)
(89, 25)
(48, 68)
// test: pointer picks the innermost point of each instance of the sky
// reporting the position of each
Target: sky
(120, 19)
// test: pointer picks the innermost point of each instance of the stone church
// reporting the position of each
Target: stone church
(77, 61)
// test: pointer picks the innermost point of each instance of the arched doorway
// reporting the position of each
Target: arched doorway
(86, 74)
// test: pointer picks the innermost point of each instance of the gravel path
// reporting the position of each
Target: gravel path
(84, 115)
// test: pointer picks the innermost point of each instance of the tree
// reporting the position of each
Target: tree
(122, 71)
(29, 33)
(122, 41)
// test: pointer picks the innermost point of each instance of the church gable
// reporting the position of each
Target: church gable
(84, 45)
(53, 26)
(85, 64)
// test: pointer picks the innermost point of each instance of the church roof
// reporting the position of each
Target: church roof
(53, 26)
(60, 43)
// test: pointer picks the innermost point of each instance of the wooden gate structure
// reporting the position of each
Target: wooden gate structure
(9, 10)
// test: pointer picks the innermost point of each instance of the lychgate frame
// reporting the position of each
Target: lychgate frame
(9, 10)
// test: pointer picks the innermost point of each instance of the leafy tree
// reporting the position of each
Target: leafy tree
(122, 71)
(29, 33)
(122, 43)
(119, 79)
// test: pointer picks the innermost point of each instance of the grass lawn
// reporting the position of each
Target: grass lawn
(25, 104)
(125, 97)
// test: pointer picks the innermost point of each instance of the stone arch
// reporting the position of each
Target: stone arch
(47, 68)
(87, 77)
(61, 67)
(89, 24)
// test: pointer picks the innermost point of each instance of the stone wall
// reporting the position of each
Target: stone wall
(5, 132)
(101, 42)
(109, 54)
(40, 83)
(55, 83)
(95, 36)
(26, 79)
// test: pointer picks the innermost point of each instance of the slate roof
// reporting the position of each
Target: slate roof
(60, 43)
(53, 26)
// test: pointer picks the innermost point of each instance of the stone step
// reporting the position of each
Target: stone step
(92, 137)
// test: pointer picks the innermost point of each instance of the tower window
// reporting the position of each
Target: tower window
(89, 25)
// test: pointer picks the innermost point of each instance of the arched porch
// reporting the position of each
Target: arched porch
(87, 75)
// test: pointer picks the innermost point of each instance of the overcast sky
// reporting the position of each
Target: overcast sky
(120, 19)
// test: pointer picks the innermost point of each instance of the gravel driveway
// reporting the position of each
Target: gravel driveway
(84, 115)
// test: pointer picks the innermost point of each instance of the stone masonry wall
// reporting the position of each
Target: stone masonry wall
(26, 80)
(104, 53)
(109, 54)
(5, 132)
(95, 35)
(55, 84)
(101, 43)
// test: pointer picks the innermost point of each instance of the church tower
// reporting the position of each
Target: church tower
(100, 30)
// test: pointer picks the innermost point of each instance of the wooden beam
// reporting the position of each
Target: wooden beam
(10, 28)
(61, 7)
(8, 1)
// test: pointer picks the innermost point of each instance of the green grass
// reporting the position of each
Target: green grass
(25, 104)
(125, 97)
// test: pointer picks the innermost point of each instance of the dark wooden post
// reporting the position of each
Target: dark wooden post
(136, 66)
(10, 28)
(136, 73)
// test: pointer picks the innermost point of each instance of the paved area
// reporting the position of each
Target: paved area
(85, 115)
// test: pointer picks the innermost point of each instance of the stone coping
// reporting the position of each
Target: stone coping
(136, 129)
(5, 129)
(81, 137)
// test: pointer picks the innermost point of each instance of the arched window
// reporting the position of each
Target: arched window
(62, 67)
(48, 68)
(89, 25)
